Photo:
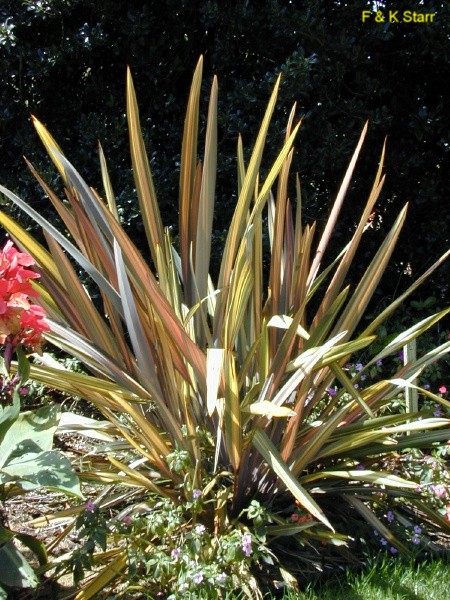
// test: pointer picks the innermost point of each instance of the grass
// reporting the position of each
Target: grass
(385, 579)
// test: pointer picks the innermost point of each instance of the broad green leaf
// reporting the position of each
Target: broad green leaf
(31, 432)
(36, 546)
(16, 571)
(8, 416)
(5, 535)
(47, 469)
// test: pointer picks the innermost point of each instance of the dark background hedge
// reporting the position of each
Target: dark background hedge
(65, 62)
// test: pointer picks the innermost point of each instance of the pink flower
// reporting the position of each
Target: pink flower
(247, 544)
(439, 490)
(443, 389)
(21, 322)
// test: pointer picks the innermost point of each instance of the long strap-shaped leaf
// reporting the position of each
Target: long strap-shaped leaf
(206, 205)
(68, 246)
(43, 258)
(399, 301)
(89, 321)
(147, 286)
(142, 349)
(375, 522)
(270, 453)
(347, 260)
(369, 282)
(188, 168)
(331, 222)
(142, 174)
(109, 573)
(238, 222)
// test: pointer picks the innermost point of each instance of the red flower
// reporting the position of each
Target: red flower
(20, 321)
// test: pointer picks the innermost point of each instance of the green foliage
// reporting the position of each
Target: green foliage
(233, 389)
(27, 460)
(170, 544)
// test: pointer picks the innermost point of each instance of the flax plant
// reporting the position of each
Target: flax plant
(223, 387)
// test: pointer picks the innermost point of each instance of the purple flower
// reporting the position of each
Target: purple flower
(360, 467)
(175, 554)
(90, 507)
(390, 516)
(417, 529)
(438, 413)
(439, 490)
(23, 391)
(247, 544)
(401, 355)
(379, 362)
(415, 539)
(383, 542)
(126, 520)
(197, 578)
(196, 494)
(331, 391)
(393, 550)
(359, 367)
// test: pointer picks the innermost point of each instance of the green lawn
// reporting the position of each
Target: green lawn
(385, 580)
